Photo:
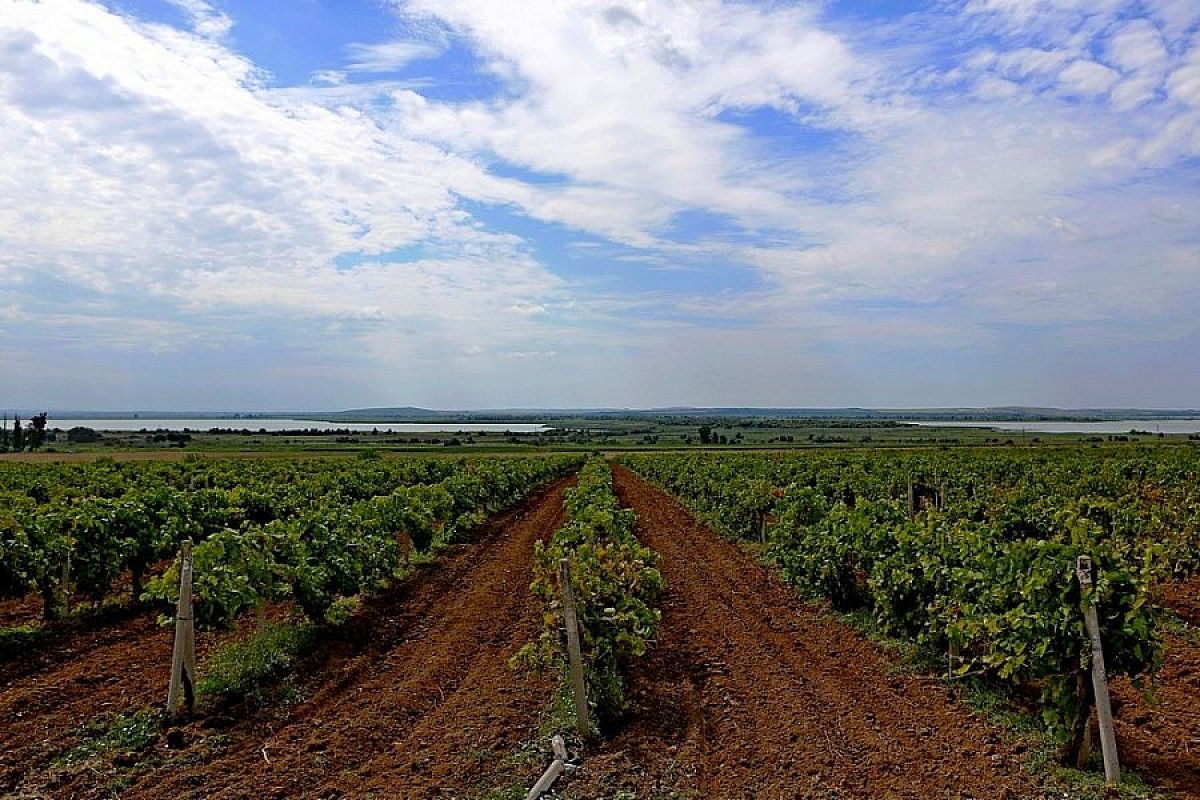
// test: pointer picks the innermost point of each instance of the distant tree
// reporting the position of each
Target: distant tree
(18, 435)
(705, 434)
(82, 435)
(4, 435)
(37, 430)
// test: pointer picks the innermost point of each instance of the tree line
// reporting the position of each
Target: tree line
(15, 438)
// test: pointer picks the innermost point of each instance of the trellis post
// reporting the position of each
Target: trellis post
(1108, 739)
(183, 654)
(574, 654)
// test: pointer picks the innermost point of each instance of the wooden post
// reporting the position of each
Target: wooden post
(574, 654)
(66, 583)
(912, 500)
(1079, 743)
(556, 768)
(1108, 739)
(953, 659)
(558, 747)
(183, 655)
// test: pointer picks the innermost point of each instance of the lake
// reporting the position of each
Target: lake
(1059, 426)
(137, 424)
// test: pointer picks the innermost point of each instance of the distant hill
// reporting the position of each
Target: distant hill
(992, 414)
(416, 414)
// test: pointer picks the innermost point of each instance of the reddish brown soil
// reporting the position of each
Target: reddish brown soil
(1182, 597)
(77, 674)
(20, 612)
(1158, 732)
(86, 618)
(1159, 736)
(412, 698)
(750, 693)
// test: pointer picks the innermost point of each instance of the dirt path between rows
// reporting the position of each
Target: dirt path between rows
(414, 698)
(1159, 735)
(1183, 598)
(749, 693)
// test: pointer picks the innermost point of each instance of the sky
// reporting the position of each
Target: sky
(324, 204)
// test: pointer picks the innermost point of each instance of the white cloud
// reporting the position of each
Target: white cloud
(206, 19)
(388, 56)
(1025, 62)
(625, 103)
(153, 163)
(1176, 17)
(917, 199)
(1138, 50)
(931, 191)
(329, 77)
(1087, 78)
(1184, 83)
(1046, 17)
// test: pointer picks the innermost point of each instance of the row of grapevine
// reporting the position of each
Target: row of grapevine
(616, 583)
(988, 570)
(356, 479)
(311, 530)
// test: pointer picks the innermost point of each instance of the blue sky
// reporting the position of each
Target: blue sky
(471, 203)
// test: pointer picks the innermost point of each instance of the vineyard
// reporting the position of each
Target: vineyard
(308, 531)
(721, 602)
(971, 555)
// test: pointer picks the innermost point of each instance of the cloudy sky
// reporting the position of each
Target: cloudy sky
(287, 204)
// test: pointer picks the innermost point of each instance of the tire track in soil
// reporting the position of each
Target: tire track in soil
(750, 693)
(417, 700)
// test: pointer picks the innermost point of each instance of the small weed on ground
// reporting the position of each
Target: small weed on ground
(1042, 751)
(18, 639)
(533, 756)
(253, 668)
(111, 733)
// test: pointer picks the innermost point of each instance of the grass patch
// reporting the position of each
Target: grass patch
(110, 733)
(1042, 751)
(251, 669)
(19, 638)
(1178, 626)
(508, 793)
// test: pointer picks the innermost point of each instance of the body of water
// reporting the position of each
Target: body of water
(137, 424)
(1097, 428)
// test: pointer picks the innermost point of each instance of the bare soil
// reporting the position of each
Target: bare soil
(1183, 598)
(751, 693)
(413, 698)
(77, 673)
(1158, 730)
(22, 611)
(1159, 735)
